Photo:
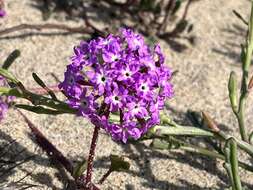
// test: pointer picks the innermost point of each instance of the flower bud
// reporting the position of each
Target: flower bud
(210, 122)
(232, 89)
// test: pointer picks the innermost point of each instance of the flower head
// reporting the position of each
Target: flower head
(119, 75)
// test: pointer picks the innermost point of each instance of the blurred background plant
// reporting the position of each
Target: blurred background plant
(2, 11)
(164, 19)
(13, 157)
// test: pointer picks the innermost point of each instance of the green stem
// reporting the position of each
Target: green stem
(234, 165)
(241, 119)
(245, 77)
(179, 130)
(37, 99)
(242, 144)
(203, 151)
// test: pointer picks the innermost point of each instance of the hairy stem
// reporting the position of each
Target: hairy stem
(203, 151)
(88, 184)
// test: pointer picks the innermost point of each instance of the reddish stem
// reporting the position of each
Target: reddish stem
(88, 184)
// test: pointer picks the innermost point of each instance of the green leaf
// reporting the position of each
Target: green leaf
(10, 92)
(118, 163)
(79, 169)
(177, 6)
(10, 59)
(6, 74)
(43, 85)
(38, 109)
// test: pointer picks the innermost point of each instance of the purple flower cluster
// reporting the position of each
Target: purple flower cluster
(118, 75)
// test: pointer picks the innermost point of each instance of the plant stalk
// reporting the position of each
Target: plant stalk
(203, 151)
(245, 77)
(234, 165)
(88, 184)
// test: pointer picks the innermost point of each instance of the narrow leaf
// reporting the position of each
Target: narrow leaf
(118, 163)
(38, 109)
(79, 169)
(6, 74)
(43, 85)
(238, 15)
(10, 59)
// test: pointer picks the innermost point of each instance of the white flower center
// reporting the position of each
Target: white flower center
(116, 99)
(71, 80)
(114, 57)
(144, 87)
(84, 103)
(136, 109)
(127, 73)
(101, 79)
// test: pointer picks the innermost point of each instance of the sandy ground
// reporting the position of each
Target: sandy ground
(201, 84)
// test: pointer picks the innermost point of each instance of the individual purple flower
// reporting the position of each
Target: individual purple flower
(144, 89)
(134, 41)
(110, 56)
(100, 79)
(124, 131)
(116, 98)
(121, 76)
(158, 55)
(84, 104)
(126, 73)
(136, 110)
(70, 85)
(78, 57)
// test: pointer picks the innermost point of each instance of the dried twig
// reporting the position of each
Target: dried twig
(82, 30)
(170, 6)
